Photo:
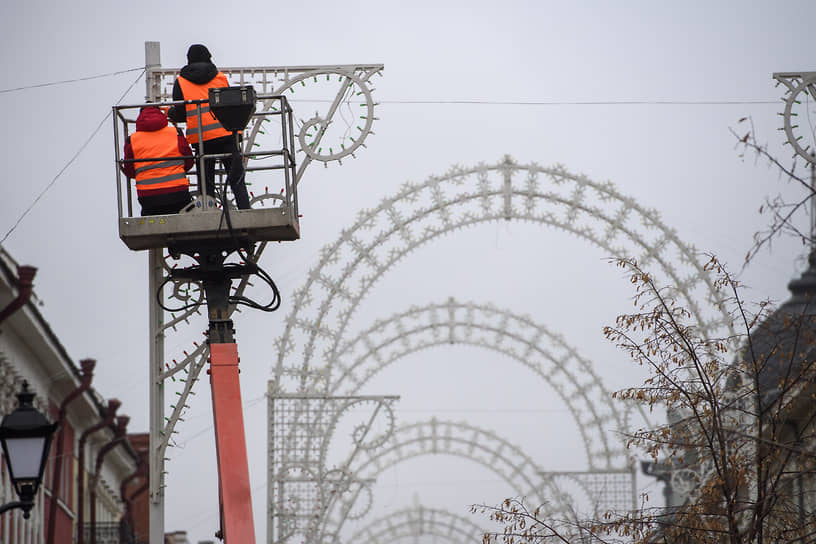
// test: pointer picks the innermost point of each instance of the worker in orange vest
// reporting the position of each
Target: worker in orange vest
(194, 82)
(161, 185)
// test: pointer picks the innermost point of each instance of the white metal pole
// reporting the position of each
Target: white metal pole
(813, 202)
(156, 475)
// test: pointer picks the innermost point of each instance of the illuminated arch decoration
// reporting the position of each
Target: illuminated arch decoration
(436, 437)
(340, 96)
(420, 212)
(302, 427)
(547, 354)
(323, 307)
(800, 90)
(416, 522)
(302, 484)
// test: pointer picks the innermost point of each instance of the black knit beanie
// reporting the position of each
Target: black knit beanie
(198, 53)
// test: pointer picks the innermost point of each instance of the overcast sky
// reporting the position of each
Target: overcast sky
(677, 158)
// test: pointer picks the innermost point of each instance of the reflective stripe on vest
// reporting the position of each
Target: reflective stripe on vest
(162, 179)
(162, 164)
(210, 127)
(160, 174)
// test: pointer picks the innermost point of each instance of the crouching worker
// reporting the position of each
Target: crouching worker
(161, 185)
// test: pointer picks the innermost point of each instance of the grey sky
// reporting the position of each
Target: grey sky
(679, 159)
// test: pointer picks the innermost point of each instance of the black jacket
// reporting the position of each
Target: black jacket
(197, 72)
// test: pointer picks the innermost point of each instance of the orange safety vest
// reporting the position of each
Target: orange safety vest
(152, 176)
(210, 127)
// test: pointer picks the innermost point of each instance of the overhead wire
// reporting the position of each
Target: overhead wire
(668, 102)
(64, 81)
(275, 302)
(396, 101)
(70, 161)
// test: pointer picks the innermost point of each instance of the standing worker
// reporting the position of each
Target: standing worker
(194, 82)
(161, 185)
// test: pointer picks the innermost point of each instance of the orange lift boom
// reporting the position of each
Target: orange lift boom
(237, 524)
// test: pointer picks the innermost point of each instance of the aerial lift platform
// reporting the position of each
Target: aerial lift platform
(210, 230)
(203, 223)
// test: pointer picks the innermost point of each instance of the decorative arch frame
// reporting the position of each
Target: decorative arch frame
(545, 353)
(418, 521)
(460, 439)
(348, 269)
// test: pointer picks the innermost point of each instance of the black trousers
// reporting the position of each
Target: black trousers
(235, 178)
(166, 203)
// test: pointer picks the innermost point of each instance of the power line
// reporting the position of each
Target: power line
(51, 84)
(477, 410)
(623, 102)
(398, 101)
(737, 102)
(70, 162)
(587, 102)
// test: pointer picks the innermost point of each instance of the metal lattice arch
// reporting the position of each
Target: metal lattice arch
(519, 337)
(413, 523)
(420, 212)
(460, 439)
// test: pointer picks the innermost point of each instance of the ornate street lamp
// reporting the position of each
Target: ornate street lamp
(26, 438)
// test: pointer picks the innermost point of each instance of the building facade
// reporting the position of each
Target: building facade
(92, 433)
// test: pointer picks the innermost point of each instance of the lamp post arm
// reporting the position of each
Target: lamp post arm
(25, 505)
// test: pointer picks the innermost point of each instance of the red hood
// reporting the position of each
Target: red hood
(151, 119)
